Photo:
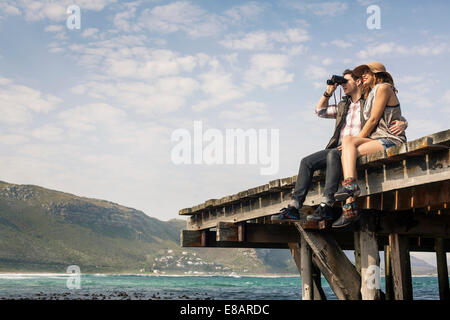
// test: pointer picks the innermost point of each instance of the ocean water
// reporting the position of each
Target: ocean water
(111, 287)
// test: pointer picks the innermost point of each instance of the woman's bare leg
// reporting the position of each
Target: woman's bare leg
(351, 151)
(363, 149)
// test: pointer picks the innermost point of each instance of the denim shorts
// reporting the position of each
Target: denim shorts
(386, 143)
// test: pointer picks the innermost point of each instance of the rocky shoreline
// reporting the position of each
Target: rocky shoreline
(115, 295)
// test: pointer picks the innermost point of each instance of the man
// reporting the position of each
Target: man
(349, 116)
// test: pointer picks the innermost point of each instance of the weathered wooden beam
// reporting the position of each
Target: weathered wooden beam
(333, 263)
(257, 232)
(190, 238)
(388, 273)
(414, 224)
(401, 267)
(370, 259)
(318, 292)
(306, 270)
(441, 259)
(357, 251)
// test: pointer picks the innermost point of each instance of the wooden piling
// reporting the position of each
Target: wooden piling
(370, 259)
(388, 273)
(357, 251)
(441, 259)
(306, 270)
(401, 267)
(340, 273)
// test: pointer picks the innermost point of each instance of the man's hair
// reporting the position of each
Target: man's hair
(350, 72)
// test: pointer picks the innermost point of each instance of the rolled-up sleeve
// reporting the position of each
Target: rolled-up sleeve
(329, 112)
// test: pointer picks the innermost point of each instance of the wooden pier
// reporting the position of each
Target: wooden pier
(404, 206)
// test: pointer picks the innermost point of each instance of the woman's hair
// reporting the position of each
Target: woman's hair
(379, 77)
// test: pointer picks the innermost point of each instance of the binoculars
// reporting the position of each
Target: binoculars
(336, 79)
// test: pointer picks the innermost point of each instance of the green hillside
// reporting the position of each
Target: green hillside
(46, 230)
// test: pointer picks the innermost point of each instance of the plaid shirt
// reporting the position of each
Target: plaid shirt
(352, 125)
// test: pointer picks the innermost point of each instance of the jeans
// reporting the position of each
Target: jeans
(329, 159)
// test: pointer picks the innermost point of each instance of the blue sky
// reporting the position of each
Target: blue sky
(91, 111)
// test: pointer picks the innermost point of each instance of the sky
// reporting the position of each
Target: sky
(91, 111)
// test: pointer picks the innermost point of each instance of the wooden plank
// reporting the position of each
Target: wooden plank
(441, 259)
(334, 264)
(442, 137)
(401, 267)
(306, 270)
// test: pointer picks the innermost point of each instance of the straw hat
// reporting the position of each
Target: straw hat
(374, 66)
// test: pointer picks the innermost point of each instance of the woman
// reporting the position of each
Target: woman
(380, 109)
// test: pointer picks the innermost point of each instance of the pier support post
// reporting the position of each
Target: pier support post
(401, 267)
(441, 257)
(306, 270)
(340, 273)
(388, 273)
(370, 258)
(318, 293)
(357, 252)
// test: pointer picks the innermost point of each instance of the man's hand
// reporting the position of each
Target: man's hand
(330, 88)
(397, 127)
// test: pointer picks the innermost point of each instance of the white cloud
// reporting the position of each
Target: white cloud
(8, 9)
(129, 57)
(341, 43)
(89, 32)
(219, 87)
(316, 72)
(446, 97)
(327, 61)
(167, 94)
(19, 102)
(250, 111)
(35, 10)
(385, 48)
(181, 16)
(90, 116)
(54, 28)
(48, 132)
(268, 70)
(122, 19)
(264, 40)
(247, 11)
(330, 8)
(13, 139)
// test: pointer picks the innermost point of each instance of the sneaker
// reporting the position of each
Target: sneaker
(349, 215)
(348, 189)
(289, 213)
(322, 212)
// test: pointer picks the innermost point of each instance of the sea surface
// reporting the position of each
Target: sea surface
(116, 287)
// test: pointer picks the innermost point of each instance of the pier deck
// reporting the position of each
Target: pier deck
(404, 206)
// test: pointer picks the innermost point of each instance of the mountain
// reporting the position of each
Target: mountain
(44, 230)
(48, 230)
